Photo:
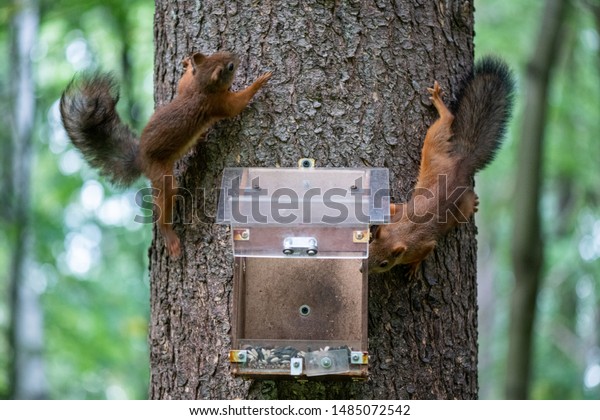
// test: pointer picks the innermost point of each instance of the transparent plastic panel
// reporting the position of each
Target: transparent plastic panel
(312, 358)
(295, 196)
(327, 362)
(379, 203)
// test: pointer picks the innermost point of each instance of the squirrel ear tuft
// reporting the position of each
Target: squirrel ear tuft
(397, 211)
(377, 233)
(398, 249)
(197, 58)
(192, 60)
(216, 74)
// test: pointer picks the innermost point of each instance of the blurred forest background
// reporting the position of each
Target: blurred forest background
(81, 310)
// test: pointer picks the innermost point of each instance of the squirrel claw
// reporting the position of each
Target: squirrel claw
(174, 247)
(436, 92)
(261, 80)
(265, 77)
(413, 269)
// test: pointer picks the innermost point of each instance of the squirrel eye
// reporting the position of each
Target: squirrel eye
(383, 264)
(230, 67)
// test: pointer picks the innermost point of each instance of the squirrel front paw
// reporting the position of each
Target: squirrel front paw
(264, 78)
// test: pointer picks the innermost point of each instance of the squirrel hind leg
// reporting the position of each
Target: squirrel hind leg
(436, 147)
(436, 98)
(167, 187)
(468, 206)
(172, 243)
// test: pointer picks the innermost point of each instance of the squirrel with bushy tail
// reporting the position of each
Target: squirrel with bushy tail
(461, 142)
(88, 111)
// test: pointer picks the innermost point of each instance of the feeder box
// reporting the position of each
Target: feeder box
(300, 245)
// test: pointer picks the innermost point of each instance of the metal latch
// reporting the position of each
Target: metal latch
(300, 245)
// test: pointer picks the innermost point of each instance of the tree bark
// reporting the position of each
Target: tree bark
(527, 249)
(349, 89)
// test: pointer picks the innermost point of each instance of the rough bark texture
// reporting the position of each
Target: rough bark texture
(528, 247)
(349, 89)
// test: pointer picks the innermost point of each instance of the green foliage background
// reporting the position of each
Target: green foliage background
(89, 257)
(567, 334)
(90, 262)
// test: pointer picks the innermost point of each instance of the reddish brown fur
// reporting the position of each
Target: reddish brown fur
(187, 77)
(430, 213)
(455, 148)
(89, 115)
(203, 98)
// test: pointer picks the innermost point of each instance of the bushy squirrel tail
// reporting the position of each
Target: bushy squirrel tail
(482, 112)
(89, 115)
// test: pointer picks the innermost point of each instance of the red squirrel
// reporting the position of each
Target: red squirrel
(457, 145)
(88, 111)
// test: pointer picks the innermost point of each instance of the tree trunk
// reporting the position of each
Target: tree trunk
(27, 379)
(527, 249)
(349, 89)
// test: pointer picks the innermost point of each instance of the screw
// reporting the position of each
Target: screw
(312, 243)
(359, 235)
(326, 362)
(245, 234)
(296, 365)
(355, 358)
(242, 357)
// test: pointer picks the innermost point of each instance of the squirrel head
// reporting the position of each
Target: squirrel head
(404, 241)
(386, 249)
(208, 73)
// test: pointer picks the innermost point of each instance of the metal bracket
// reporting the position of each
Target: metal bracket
(359, 357)
(296, 366)
(360, 236)
(241, 234)
(306, 163)
(238, 356)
